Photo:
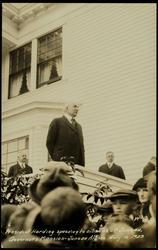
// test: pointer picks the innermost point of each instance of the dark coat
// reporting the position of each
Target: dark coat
(18, 170)
(115, 170)
(65, 140)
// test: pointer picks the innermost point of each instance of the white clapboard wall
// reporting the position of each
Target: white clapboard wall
(109, 65)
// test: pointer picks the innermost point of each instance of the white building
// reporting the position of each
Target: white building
(101, 54)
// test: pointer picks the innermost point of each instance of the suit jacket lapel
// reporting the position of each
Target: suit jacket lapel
(69, 124)
(108, 166)
(18, 165)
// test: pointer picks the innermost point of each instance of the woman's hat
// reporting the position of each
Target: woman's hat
(124, 194)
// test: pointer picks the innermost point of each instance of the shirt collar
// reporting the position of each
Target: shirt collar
(69, 117)
(110, 164)
(22, 164)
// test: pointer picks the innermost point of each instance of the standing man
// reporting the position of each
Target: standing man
(65, 138)
(111, 168)
(20, 168)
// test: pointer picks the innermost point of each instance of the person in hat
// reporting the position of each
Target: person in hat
(125, 202)
(65, 137)
(143, 193)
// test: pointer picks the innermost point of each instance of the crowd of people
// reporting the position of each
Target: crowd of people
(57, 217)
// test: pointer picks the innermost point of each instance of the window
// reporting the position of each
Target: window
(10, 150)
(19, 71)
(49, 64)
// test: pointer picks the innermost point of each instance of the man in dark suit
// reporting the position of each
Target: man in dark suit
(65, 137)
(111, 168)
(21, 167)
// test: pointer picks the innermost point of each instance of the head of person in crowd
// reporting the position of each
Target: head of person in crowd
(72, 108)
(63, 209)
(150, 166)
(58, 175)
(141, 188)
(124, 201)
(110, 157)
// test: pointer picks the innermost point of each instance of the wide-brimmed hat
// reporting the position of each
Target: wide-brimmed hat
(124, 194)
(56, 176)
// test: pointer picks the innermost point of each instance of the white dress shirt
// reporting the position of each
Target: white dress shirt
(110, 164)
(22, 164)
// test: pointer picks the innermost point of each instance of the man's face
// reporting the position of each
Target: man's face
(22, 158)
(143, 194)
(109, 157)
(73, 109)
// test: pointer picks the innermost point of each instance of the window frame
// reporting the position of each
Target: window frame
(57, 78)
(6, 166)
(21, 70)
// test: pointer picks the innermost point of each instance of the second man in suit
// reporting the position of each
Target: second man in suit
(65, 137)
(111, 168)
(21, 167)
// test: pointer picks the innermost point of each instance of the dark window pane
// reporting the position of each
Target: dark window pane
(20, 58)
